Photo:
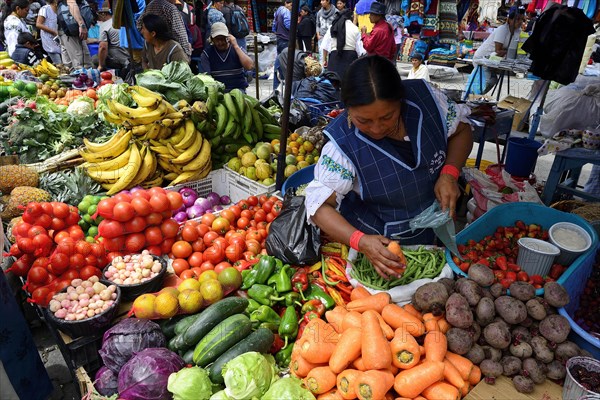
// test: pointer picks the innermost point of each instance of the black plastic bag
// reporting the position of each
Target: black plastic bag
(291, 238)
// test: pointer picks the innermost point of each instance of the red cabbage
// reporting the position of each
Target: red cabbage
(106, 382)
(145, 376)
(128, 337)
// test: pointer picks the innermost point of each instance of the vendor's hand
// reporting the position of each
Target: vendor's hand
(363, 30)
(83, 33)
(232, 40)
(447, 192)
(383, 260)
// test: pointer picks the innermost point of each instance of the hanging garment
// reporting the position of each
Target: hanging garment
(557, 43)
(448, 22)
(415, 10)
(431, 20)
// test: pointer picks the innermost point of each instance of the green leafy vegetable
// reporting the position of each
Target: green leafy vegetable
(220, 395)
(248, 375)
(177, 71)
(190, 384)
(288, 388)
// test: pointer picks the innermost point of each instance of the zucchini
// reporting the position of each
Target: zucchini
(177, 345)
(188, 356)
(212, 316)
(168, 326)
(185, 323)
(221, 338)
(260, 341)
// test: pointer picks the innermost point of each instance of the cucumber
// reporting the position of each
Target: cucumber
(167, 326)
(212, 316)
(260, 341)
(176, 344)
(188, 356)
(221, 338)
(185, 323)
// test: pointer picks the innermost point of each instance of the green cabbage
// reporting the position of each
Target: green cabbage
(248, 375)
(155, 80)
(288, 388)
(220, 395)
(177, 71)
(190, 384)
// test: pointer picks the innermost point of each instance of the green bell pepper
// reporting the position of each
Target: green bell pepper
(315, 292)
(284, 356)
(253, 305)
(270, 326)
(263, 294)
(259, 273)
(292, 299)
(281, 280)
(288, 328)
(265, 314)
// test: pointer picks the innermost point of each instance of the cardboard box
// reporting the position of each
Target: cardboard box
(520, 106)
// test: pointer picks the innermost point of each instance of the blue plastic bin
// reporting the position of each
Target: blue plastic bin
(93, 47)
(529, 213)
(522, 156)
(319, 110)
(298, 178)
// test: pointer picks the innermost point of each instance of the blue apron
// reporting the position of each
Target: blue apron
(391, 191)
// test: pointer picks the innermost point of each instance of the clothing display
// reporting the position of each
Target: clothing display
(431, 20)
(448, 22)
(415, 10)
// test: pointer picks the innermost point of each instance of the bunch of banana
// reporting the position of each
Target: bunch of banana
(45, 67)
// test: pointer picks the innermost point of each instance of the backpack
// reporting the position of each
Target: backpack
(67, 23)
(237, 22)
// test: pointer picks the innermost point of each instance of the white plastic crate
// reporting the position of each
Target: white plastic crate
(243, 186)
(216, 181)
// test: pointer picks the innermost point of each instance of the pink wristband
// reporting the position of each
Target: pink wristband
(450, 170)
(355, 238)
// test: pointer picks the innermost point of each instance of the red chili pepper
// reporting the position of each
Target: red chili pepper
(277, 344)
(301, 327)
(311, 315)
(313, 305)
(300, 281)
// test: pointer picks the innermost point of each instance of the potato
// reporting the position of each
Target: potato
(431, 297)
(449, 283)
(523, 384)
(513, 311)
(476, 354)
(497, 335)
(555, 328)
(541, 351)
(458, 312)
(521, 334)
(536, 309)
(497, 290)
(555, 370)
(522, 290)
(475, 332)
(566, 350)
(487, 293)
(492, 353)
(485, 311)
(527, 322)
(555, 295)
(533, 369)
(481, 274)
(470, 291)
(521, 350)
(511, 365)
(491, 369)
(459, 340)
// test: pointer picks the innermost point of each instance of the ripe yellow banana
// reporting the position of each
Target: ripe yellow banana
(171, 176)
(171, 123)
(191, 151)
(96, 147)
(112, 118)
(140, 130)
(106, 154)
(140, 115)
(115, 163)
(174, 152)
(154, 180)
(160, 149)
(148, 167)
(201, 159)
(190, 136)
(148, 99)
(177, 136)
(125, 180)
(164, 133)
(152, 132)
(112, 176)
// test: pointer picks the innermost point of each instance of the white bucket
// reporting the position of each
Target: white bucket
(536, 256)
(567, 256)
(572, 390)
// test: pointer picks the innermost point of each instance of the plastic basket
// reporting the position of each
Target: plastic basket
(305, 175)
(529, 213)
(216, 181)
(130, 292)
(319, 110)
(241, 187)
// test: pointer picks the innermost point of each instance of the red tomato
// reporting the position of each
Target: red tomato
(214, 255)
(267, 206)
(220, 243)
(135, 225)
(109, 229)
(156, 189)
(270, 217)
(76, 261)
(72, 218)
(39, 295)
(44, 220)
(187, 274)
(82, 247)
(252, 200)
(110, 256)
(123, 196)
(243, 223)
(34, 230)
(199, 245)
(159, 202)
(153, 235)
(238, 241)
(262, 199)
(254, 235)
(105, 207)
(253, 246)
(182, 249)
(166, 245)
(169, 228)
(97, 250)
(26, 245)
(276, 210)
(260, 216)
(175, 200)
(123, 211)
(197, 271)
(210, 237)
(105, 75)
(57, 224)
(236, 210)
(154, 218)
(248, 255)
(221, 266)
(207, 219)
(202, 229)
(66, 246)
(141, 206)
(76, 232)
(234, 252)
(207, 266)
(88, 271)
(91, 259)
(180, 265)
(228, 215)
(37, 275)
(154, 250)
(196, 259)
(59, 263)
(140, 193)
(189, 233)
(243, 204)
(135, 242)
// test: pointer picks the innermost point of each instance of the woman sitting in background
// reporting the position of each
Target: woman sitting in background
(418, 70)
(160, 48)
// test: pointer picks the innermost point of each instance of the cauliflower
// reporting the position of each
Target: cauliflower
(82, 106)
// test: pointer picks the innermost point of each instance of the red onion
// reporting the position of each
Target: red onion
(189, 196)
(225, 200)
(136, 189)
(214, 199)
(195, 212)
(216, 208)
(180, 216)
(205, 204)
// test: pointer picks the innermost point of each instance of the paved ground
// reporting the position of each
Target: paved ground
(55, 364)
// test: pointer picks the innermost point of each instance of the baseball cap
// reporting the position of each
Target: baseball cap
(514, 10)
(377, 8)
(218, 29)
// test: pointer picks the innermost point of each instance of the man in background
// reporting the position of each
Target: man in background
(381, 39)
(236, 22)
(281, 26)
(27, 50)
(110, 53)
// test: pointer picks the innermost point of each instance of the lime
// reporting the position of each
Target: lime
(13, 92)
(88, 218)
(20, 85)
(84, 225)
(90, 239)
(92, 231)
(44, 77)
(31, 88)
(92, 209)
(88, 198)
(83, 206)
(230, 278)
(96, 199)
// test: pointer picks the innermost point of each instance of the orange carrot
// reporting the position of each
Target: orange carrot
(333, 394)
(320, 380)
(374, 384)
(422, 349)
(443, 325)
(397, 317)
(347, 350)
(475, 375)
(340, 309)
(409, 308)
(436, 346)
(395, 248)
(375, 348)
(359, 364)
(318, 341)
(387, 330)
(405, 350)
(359, 292)
(411, 382)
(430, 322)
(346, 383)
(462, 364)
(465, 389)
(393, 369)
(452, 376)
(441, 390)
(300, 367)
(351, 319)
(390, 395)
(375, 302)
(419, 398)
(335, 318)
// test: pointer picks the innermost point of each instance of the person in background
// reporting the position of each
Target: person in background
(137, 41)
(344, 45)
(392, 152)
(531, 19)
(281, 27)
(14, 23)
(381, 39)
(110, 53)
(75, 52)
(397, 23)
(27, 50)
(225, 60)
(325, 18)
(160, 48)
(340, 5)
(93, 36)
(31, 18)
(306, 29)
(361, 14)
(228, 10)
(48, 27)
(213, 15)
(418, 70)
(174, 22)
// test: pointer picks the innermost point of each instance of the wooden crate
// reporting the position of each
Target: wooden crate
(504, 389)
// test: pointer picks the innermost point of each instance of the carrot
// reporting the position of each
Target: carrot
(405, 350)
(430, 322)
(335, 318)
(395, 248)
(452, 376)
(300, 367)
(346, 383)
(413, 311)
(475, 375)
(340, 309)
(419, 398)
(462, 364)
(320, 380)
(375, 302)
(347, 350)
(436, 346)
(422, 349)
(443, 325)
(359, 292)
(390, 395)
(374, 384)
(351, 319)
(411, 382)
(441, 390)
(333, 394)
(375, 348)
(318, 341)
(397, 317)
(387, 330)
(465, 389)
(359, 364)
(393, 369)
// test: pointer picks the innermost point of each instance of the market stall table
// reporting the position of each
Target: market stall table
(483, 132)
(504, 389)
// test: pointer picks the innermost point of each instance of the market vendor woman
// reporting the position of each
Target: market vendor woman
(396, 148)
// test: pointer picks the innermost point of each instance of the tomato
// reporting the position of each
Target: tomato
(39, 295)
(260, 216)
(182, 249)
(180, 265)
(243, 204)
(110, 256)
(221, 266)
(44, 220)
(63, 283)
(22, 229)
(105, 75)
(97, 250)
(41, 262)
(66, 246)
(206, 266)
(270, 217)
(72, 218)
(57, 224)
(123, 211)
(236, 210)
(91, 259)
(59, 263)
(247, 214)
(277, 206)
(154, 218)
(60, 210)
(75, 232)
(35, 209)
(263, 233)
(123, 197)
(135, 225)
(189, 233)
(210, 237)
(221, 243)
(160, 202)
(238, 241)
(82, 247)
(252, 200)
(221, 225)
(34, 231)
(143, 193)
(76, 261)
(254, 235)
(195, 259)
(234, 252)
(141, 206)
(166, 245)
(21, 266)
(154, 250)
(60, 236)
(26, 245)
(228, 215)
(253, 246)
(243, 223)
(37, 275)
(202, 229)
(156, 189)
(175, 200)
(207, 219)
(169, 228)
(114, 244)
(187, 274)
(267, 206)
(197, 271)
(248, 255)
(88, 271)
(153, 235)
(214, 255)
(199, 245)
(262, 199)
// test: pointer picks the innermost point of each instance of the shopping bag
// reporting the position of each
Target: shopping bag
(441, 223)
(291, 238)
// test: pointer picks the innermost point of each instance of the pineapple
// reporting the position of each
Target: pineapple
(12, 176)
(20, 196)
(9, 234)
(69, 186)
